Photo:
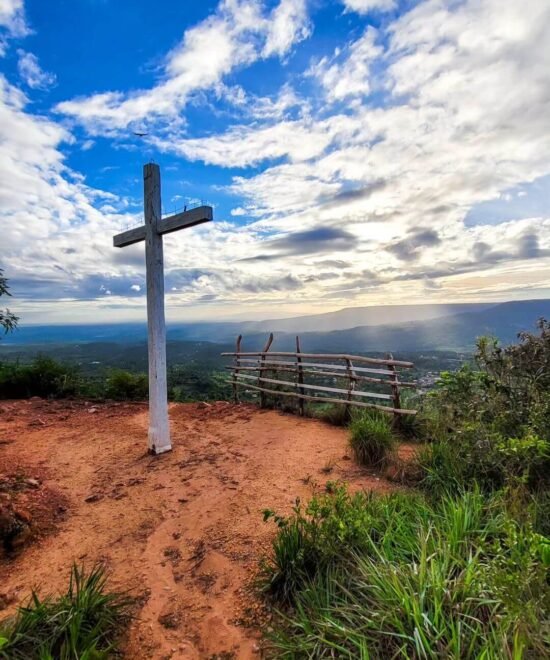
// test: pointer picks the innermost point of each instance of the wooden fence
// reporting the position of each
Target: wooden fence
(260, 371)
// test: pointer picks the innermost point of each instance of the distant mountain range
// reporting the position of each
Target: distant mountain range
(379, 328)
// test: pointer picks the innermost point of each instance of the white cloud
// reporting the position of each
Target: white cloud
(237, 34)
(12, 22)
(32, 74)
(288, 25)
(364, 6)
(348, 76)
(12, 16)
(244, 145)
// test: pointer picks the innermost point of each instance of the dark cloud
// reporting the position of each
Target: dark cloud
(321, 277)
(483, 258)
(285, 283)
(90, 287)
(443, 208)
(332, 263)
(354, 194)
(409, 248)
(529, 247)
(311, 241)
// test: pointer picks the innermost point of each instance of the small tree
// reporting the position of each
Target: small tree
(8, 321)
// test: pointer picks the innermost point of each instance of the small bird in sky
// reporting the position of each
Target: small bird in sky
(140, 134)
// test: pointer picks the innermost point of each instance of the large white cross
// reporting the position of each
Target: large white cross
(151, 232)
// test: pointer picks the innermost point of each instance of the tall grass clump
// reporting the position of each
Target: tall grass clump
(399, 577)
(372, 438)
(82, 624)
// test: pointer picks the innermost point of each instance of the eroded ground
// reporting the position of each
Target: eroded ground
(182, 531)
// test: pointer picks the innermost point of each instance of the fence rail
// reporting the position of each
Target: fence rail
(259, 371)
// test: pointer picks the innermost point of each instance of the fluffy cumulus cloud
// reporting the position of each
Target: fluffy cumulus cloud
(356, 176)
(239, 33)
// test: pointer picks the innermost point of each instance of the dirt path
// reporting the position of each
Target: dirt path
(183, 530)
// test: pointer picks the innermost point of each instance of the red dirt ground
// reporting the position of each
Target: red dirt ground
(183, 531)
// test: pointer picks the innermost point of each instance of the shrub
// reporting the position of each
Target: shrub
(491, 426)
(122, 385)
(83, 623)
(44, 377)
(397, 576)
(372, 438)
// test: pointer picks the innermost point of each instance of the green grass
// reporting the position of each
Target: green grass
(372, 438)
(82, 624)
(335, 414)
(399, 577)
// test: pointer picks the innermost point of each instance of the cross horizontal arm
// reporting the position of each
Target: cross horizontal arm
(129, 237)
(182, 220)
(185, 219)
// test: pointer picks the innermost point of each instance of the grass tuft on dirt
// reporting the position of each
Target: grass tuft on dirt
(371, 576)
(82, 624)
(372, 439)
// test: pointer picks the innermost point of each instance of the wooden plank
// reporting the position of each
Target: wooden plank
(336, 374)
(159, 429)
(129, 237)
(328, 356)
(185, 219)
(320, 388)
(369, 370)
(325, 399)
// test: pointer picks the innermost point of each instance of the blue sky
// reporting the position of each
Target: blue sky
(355, 151)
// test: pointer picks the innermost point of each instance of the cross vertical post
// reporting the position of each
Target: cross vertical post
(152, 232)
(159, 426)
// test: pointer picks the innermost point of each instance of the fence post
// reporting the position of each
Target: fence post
(262, 369)
(396, 398)
(351, 384)
(236, 370)
(300, 375)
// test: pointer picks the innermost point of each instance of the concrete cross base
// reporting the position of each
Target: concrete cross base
(159, 450)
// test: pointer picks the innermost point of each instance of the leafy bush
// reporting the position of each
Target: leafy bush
(44, 377)
(491, 426)
(81, 624)
(123, 385)
(395, 576)
(372, 438)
